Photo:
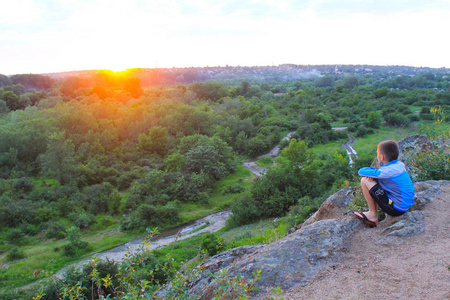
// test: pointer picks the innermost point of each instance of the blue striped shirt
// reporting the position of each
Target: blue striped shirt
(394, 179)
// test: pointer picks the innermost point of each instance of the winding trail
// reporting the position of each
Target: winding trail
(211, 223)
(260, 171)
(348, 146)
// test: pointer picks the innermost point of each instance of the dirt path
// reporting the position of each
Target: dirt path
(419, 268)
(348, 146)
(260, 171)
(210, 223)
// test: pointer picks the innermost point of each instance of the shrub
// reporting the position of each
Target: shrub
(363, 131)
(147, 216)
(75, 243)
(15, 254)
(245, 210)
(433, 165)
(15, 236)
(126, 179)
(98, 196)
(29, 229)
(212, 243)
(82, 219)
(413, 117)
(233, 189)
(397, 119)
(23, 184)
(55, 230)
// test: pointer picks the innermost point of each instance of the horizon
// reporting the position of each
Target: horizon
(227, 66)
(48, 36)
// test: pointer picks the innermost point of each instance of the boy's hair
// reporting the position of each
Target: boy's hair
(389, 149)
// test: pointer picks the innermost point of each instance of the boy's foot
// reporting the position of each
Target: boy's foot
(360, 215)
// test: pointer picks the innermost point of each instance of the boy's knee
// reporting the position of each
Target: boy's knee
(363, 180)
(369, 183)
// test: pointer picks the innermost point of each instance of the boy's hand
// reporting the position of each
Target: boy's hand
(371, 179)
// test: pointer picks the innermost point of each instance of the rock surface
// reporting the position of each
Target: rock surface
(321, 242)
(334, 206)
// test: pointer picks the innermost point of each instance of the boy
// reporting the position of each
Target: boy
(389, 187)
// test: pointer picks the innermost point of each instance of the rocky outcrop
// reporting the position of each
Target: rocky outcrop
(412, 144)
(334, 206)
(321, 241)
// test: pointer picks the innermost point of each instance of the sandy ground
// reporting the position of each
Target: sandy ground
(416, 269)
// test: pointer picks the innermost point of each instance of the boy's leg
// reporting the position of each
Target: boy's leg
(366, 184)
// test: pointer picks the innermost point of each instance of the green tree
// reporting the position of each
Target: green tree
(156, 141)
(175, 162)
(12, 100)
(4, 80)
(297, 152)
(381, 92)
(350, 81)
(59, 160)
(374, 119)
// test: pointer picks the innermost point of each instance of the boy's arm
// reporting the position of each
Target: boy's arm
(370, 172)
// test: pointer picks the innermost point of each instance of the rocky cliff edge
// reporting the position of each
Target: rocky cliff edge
(321, 242)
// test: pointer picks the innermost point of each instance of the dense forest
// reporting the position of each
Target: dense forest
(99, 150)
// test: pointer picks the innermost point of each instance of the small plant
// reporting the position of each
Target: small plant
(233, 287)
(438, 114)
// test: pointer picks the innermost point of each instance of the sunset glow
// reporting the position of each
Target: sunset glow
(49, 36)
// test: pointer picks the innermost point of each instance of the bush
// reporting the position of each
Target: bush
(212, 244)
(84, 276)
(147, 216)
(23, 184)
(75, 243)
(233, 189)
(433, 165)
(29, 229)
(363, 131)
(397, 119)
(82, 219)
(15, 236)
(98, 196)
(245, 210)
(413, 117)
(15, 254)
(55, 230)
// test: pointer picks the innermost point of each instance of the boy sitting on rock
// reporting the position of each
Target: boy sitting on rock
(388, 187)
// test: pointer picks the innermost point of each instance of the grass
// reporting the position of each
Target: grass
(41, 254)
(218, 201)
(47, 255)
(262, 232)
(434, 129)
(265, 161)
(368, 144)
(328, 148)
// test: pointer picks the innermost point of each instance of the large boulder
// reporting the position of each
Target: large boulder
(320, 242)
(286, 262)
(334, 206)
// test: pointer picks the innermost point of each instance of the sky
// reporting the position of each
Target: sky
(44, 36)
